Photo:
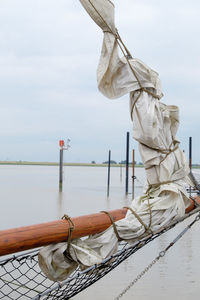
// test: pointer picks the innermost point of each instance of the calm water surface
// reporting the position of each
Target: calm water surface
(30, 195)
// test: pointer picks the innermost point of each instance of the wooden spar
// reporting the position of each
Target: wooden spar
(34, 236)
(29, 237)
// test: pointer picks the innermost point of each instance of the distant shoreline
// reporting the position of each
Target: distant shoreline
(40, 163)
(33, 163)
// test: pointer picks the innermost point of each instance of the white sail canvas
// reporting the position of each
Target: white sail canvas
(155, 125)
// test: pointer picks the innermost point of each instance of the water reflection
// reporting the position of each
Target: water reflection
(35, 198)
(126, 201)
(60, 205)
(108, 203)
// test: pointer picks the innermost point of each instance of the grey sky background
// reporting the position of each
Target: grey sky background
(49, 51)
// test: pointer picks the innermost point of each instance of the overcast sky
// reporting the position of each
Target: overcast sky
(49, 51)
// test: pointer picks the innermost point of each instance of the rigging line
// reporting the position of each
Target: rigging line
(131, 249)
(79, 280)
(161, 254)
(116, 34)
(127, 55)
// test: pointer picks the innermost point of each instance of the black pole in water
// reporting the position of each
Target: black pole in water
(108, 185)
(190, 152)
(61, 169)
(120, 165)
(127, 160)
(190, 159)
(133, 174)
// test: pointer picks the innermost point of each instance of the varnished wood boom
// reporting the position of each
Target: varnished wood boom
(29, 237)
(34, 236)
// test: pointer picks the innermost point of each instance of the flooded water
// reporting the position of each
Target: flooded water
(30, 195)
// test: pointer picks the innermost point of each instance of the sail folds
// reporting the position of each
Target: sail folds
(155, 125)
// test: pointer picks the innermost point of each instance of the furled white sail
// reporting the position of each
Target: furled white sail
(154, 127)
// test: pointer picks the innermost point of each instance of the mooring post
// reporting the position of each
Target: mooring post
(62, 148)
(108, 185)
(61, 169)
(120, 165)
(190, 159)
(127, 161)
(190, 153)
(133, 174)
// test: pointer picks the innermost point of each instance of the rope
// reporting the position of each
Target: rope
(127, 55)
(150, 214)
(133, 106)
(157, 185)
(27, 264)
(165, 151)
(161, 254)
(70, 230)
(147, 228)
(113, 224)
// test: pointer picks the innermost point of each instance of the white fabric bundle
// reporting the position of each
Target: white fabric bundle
(154, 127)
(102, 12)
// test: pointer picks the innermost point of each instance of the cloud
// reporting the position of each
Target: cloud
(49, 52)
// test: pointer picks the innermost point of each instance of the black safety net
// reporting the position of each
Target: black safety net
(21, 277)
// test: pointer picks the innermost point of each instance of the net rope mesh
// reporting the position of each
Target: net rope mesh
(21, 277)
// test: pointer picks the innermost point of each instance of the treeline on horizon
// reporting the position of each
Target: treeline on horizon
(92, 163)
(122, 162)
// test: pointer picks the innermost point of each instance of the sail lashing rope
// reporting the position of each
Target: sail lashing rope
(21, 277)
(161, 254)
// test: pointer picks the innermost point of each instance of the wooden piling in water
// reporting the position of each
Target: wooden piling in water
(61, 169)
(120, 172)
(133, 175)
(190, 160)
(127, 161)
(108, 184)
(190, 153)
